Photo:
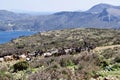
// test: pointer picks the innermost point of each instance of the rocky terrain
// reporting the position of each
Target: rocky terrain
(69, 54)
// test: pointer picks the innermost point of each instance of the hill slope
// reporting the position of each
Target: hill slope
(102, 62)
(62, 39)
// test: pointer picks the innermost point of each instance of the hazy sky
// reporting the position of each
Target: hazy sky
(52, 5)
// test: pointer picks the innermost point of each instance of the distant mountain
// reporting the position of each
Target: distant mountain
(100, 7)
(34, 13)
(8, 15)
(99, 16)
(9, 20)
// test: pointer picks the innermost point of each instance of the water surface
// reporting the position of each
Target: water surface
(6, 36)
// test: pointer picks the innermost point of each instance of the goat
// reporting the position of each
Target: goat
(68, 51)
(78, 49)
(22, 57)
(47, 54)
(8, 58)
(1, 59)
(54, 51)
(16, 57)
(28, 59)
(60, 52)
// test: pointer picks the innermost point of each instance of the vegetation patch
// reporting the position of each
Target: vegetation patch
(23, 65)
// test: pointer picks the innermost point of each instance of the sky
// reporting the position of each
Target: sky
(52, 5)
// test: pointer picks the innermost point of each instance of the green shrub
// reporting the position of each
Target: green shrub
(80, 67)
(20, 46)
(70, 63)
(116, 66)
(117, 59)
(65, 63)
(104, 63)
(62, 62)
(23, 65)
(53, 66)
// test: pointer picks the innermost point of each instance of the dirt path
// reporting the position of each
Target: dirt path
(105, 47)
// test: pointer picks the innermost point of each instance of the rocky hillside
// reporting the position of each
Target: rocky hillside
(102, 62)
(63, 38)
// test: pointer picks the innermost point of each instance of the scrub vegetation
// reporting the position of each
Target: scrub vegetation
(92, 54)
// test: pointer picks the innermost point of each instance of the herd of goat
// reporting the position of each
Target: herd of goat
(51, 52)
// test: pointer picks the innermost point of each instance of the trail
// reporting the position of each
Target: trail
(105, 47)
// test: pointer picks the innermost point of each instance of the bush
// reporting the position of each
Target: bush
(117, 59)
(70, 63)
(65, 62)
(20, 46)
(80, 67)
(23, 65)
(116, 66)
(4, 76)
(104, 63)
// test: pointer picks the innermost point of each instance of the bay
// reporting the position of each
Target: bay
(6, 36)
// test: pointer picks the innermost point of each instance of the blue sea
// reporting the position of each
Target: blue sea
(6, 36)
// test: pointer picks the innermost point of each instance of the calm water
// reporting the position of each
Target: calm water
(6, 36)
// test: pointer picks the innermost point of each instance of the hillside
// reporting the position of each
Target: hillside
(64, 38)
(69, 54)
(101, 62)
(99, 16)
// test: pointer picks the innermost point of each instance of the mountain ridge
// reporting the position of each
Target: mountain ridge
(99, 7)
(95, 17)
